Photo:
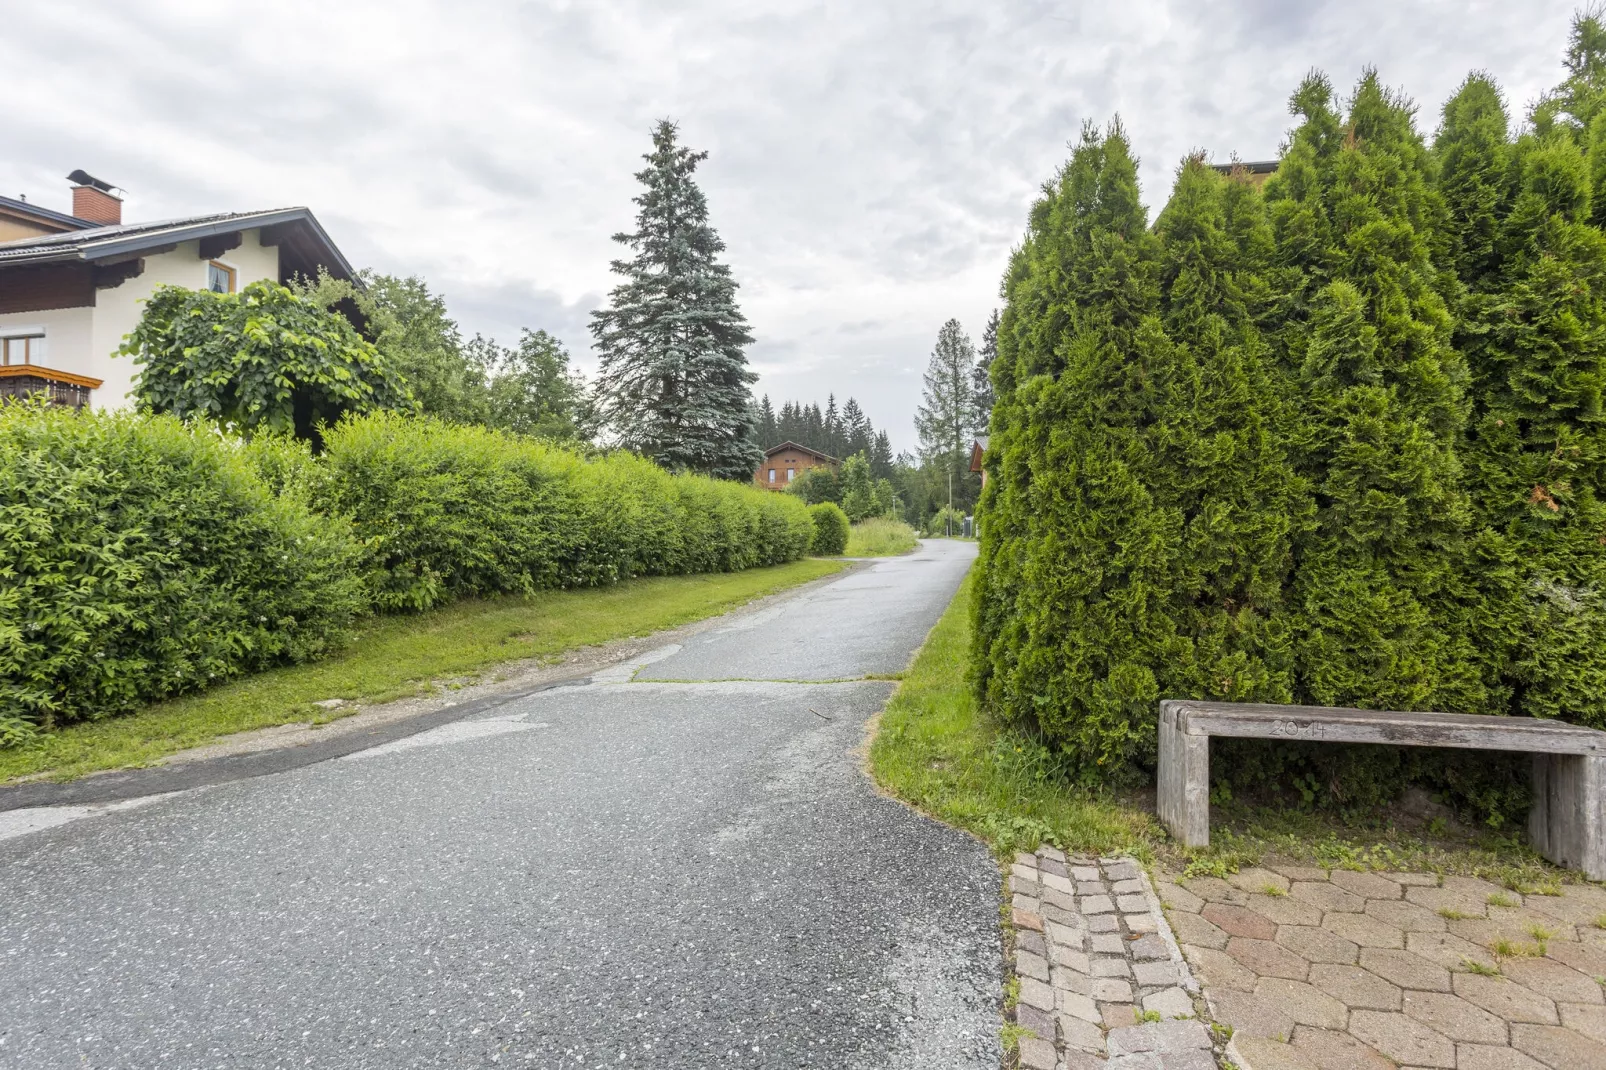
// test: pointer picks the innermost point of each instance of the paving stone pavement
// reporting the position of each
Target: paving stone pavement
(1339, 970)
(1101, 977)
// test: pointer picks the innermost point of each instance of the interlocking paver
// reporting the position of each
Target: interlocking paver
(1588, 1019)
(1447, 899)
(1030, 965)
(1317, 944)
(1258, 880)
(1266, 1054)
(1036, 1054)
(1355, 988)
(1403, 1039)
(1304, 1003)
(1253, 1016)
(1365, 885)
(1405, 916)
(1504, 998)
(1168, 1003)
(1267, 959)
(1455, 1017)
(1239, 921)
(1285, 910)
(1176, 897)
(1035, 993)
(1493, 1057)
(1555, 980)
(1585, 958)
(1364, 930)
(1193, 929)
(1406, 969)
(1082, 1033)
(1411, 880)
(1333, 1049)
(1327, 896)
(1300, 873)
(1559, 1048)
(1447, 949)
(1215, 890)
(1217, 969)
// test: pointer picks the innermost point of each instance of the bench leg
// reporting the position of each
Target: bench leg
(1567, 824)
(1184, 787)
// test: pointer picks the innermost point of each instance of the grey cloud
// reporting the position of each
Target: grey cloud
(872, 162)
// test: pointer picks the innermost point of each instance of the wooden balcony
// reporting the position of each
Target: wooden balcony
(62, 388)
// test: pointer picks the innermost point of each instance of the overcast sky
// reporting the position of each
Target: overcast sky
(871, 163)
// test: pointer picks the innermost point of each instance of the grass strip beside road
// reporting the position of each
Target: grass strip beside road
(400, 656)
(935, 749)
(880, 537)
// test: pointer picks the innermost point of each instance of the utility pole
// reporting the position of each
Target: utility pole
(948, 517)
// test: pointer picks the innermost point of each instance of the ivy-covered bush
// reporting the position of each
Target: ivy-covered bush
(448, 510)
(830, 529)
(143, 559)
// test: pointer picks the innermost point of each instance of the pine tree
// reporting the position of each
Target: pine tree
(856, 429)
(767, 427)
(946, 418)
(982, 388)
(1381, 578)
(674, 382)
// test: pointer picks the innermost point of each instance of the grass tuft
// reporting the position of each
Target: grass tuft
(880, 537)
(401, 656)
(1474, 966)
(1501, 899)
(937, 751)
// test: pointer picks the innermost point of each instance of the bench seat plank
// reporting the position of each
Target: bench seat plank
(1326, 724)
(1567, 822)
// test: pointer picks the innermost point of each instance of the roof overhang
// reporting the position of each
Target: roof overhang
(299, 224)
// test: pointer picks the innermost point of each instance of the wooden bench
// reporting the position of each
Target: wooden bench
(1567, 823)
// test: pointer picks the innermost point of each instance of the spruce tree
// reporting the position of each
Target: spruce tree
(981, 378)
(1380, 590)
(856, 430)
(946, 418)
(767, 426)
(674, 382)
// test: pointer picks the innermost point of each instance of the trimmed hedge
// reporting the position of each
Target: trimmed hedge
(144, 559)
(830, 530)
(450, 510)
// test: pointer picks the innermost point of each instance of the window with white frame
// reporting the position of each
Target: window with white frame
(22, 349)
(772, 475)
(790, 472)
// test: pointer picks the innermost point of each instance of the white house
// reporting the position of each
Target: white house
(72, 286)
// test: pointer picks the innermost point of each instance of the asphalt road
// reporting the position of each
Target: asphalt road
(622, 873)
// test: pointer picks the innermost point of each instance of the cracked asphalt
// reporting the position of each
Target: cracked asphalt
(627, 873)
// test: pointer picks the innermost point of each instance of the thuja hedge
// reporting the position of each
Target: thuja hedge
(144, 557)
(1339, 441)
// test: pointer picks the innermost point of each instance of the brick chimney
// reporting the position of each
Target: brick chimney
(93, 199)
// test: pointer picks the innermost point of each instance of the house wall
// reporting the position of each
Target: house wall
(796, 460)
(84, 340)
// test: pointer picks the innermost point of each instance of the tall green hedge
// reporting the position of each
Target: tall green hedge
(1336, 441)
(448, 510)
(142, 559)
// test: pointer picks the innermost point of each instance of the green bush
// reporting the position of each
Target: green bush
(144, 558)
(448, 510)
(1336, 441)
(830, 530)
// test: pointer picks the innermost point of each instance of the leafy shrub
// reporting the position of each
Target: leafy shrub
(260, 358)
(451, 510)
(830, 530)
(144, 558)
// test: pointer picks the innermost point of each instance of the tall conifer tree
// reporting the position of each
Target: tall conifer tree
(674, 381)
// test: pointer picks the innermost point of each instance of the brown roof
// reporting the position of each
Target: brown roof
(773, 450)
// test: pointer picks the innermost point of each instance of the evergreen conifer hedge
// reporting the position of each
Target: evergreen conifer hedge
(1337, 441)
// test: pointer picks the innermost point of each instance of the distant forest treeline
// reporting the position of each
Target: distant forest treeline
(840, 434)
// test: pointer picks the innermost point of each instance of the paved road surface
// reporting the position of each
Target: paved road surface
(621, 874)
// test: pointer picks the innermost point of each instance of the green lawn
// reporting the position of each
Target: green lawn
(935, 750)
(394, 657)
(880, 537)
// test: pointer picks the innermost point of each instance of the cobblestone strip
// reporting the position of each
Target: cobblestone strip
(1100, 973)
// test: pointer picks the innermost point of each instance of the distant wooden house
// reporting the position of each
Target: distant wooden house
(786, 462)
(1256, 172)
(978, 451)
